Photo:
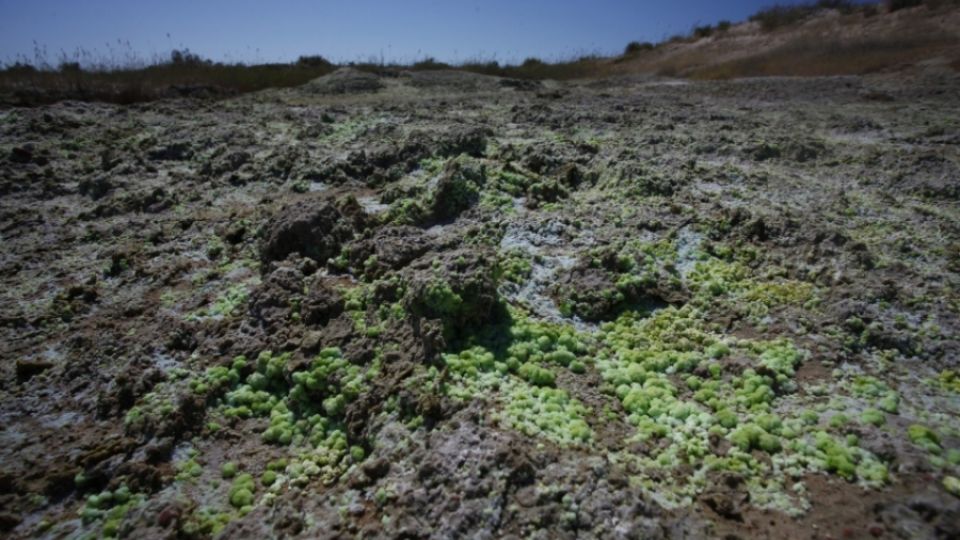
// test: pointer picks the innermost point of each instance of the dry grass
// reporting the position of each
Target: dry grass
(24, 85)
(29, 86)
(779, 16)
(816, 57)
(857, 41)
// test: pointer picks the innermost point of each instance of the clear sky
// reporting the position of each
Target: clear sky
(350, 30)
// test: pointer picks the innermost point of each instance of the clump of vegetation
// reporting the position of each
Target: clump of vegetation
(668, 371)
(517, 367)
(952, 485)
(897, 5)
(925, 438)
(703, 31)
(224, 304)
(547, 412)
(635, 47)
(241, 492)
(305, 406)
(128, 79)
(779, 16)
(110, 507)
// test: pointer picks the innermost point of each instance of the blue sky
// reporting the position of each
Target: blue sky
(350, 30)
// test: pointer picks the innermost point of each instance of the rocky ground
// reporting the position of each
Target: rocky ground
(441, 305)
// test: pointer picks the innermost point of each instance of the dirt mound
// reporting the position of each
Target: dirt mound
(345, 81)
(314, 228)
(386, 249)
(452, 80)
(458, 288)
(457, 189)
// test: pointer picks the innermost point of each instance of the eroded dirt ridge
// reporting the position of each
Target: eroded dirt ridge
(448, 306)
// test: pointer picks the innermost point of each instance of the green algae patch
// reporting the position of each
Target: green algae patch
(241, 492)
(949, 380)
(224, 305)
(545, 412)
(668, 372)
(925, 438)
(305, 405)
(952, 485)
(732, 284)
(519, 374)
(108, 509)
(228, 470)
(873, 417)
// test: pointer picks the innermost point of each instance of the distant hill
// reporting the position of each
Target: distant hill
(808, 41)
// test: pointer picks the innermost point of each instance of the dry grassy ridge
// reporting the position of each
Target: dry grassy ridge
(809, 42)
(829, 37)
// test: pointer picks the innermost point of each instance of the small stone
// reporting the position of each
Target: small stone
(311, 341)
(28, 369)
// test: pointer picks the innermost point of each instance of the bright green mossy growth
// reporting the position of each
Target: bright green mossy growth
(867, 386)
(457, 187)
(838, 458)
(872, 472)
(189, 469)
(667, 370)
(545, 412)
(727, 418)
(516, 266)
(810, 417)
(225, 303)
(535, 374)
(839, 421)
(242, 490)
(440, 299)
(716, 280)
(770, 423)
(205, 522)
(111, 507)
(753, 391)
(753, 437)
(268, 478)
(952, 485)
(406, 212)
(925, 438)
(513, 183)
(517, 368)
(305, 404)
(890, 403)
(782, 292)
(949, 380)
(879, 392)
(277, 464)
(781, 358)
(228, 470)
(873, 417)
(471, 362)
(218, 378)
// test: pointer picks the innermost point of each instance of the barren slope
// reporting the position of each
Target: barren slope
(828, 43)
